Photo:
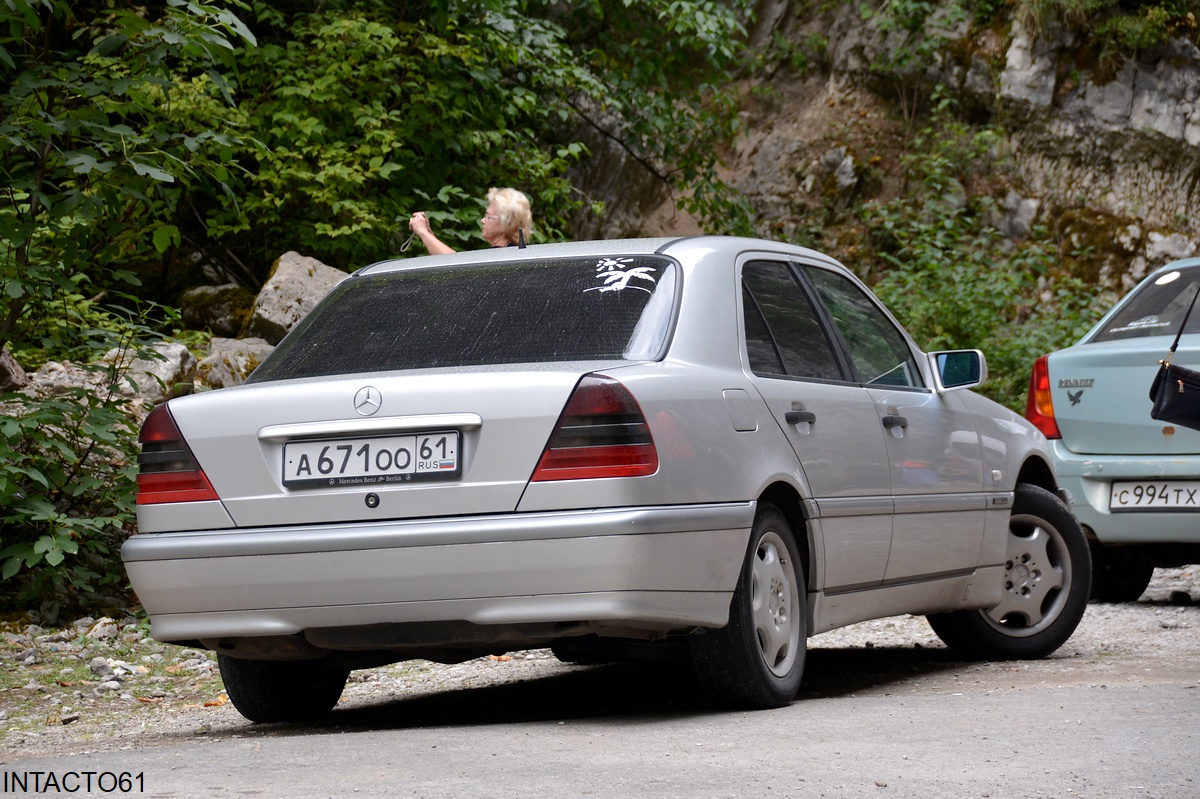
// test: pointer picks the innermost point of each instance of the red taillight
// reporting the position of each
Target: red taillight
(1039, 407)
(167, 470)
(601, 433)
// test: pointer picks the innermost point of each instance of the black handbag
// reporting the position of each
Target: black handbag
(1175, 391)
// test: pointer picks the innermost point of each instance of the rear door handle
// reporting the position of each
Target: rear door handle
(796, 417)
(895, 421)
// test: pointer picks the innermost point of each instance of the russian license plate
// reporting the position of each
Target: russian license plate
(1155, 495)
(371, 461)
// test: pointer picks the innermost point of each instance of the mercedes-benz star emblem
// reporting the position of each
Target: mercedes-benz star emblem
(367, 400)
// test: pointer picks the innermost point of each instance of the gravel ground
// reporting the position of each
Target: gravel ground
(101, 684)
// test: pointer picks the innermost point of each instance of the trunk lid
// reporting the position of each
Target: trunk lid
(503, 419)
(1101, 396)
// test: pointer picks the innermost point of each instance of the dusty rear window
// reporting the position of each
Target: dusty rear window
(598, 308)
(1156, 308)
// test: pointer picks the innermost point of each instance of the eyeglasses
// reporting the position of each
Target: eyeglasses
(491, 216)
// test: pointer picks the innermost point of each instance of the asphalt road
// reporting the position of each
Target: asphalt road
(1115, 716)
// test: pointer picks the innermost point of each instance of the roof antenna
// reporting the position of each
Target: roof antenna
(521, 238)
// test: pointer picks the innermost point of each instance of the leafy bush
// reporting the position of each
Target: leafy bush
(67, 489)
(67, 492)
(96, 160)
(68, 464)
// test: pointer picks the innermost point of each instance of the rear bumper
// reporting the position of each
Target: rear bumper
(649, 568)
(1089, 478)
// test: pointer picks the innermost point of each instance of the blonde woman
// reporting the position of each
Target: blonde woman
(507, 222)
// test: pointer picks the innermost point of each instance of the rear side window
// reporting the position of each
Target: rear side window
(1156, 308)
(596, 308)
(783, 333)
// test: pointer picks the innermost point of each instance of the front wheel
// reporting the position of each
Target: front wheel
(1047, 578)
(757, 660)
(267, 691)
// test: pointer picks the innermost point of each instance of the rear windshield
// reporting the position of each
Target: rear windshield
(1156, 308)
(596, 308)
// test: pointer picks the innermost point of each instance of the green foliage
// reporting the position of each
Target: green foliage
(66, 480)
(93, 157)
(983, 12)
(1148, 27)
(368, 113)
(63, 326)
(365, 119)
(96, 161)
(67, 490)
(67, 468)
(1115, 28)
(665, 69)
(955, 282)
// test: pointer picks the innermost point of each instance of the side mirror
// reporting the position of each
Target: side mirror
(956, 369)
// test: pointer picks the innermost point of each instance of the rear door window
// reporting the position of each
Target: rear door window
(784, 336)
(596, 308)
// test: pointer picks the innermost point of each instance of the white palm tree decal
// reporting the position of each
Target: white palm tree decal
(617, 279)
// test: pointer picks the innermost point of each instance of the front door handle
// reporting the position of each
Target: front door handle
(895, 421)
(796, 417)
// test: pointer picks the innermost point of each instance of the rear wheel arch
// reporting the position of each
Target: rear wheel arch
(789, 502)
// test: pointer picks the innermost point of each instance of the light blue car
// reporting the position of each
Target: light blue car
(1135, 480)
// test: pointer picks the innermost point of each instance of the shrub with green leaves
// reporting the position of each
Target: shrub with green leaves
(95, 161)
(66, 498)
(67, 472)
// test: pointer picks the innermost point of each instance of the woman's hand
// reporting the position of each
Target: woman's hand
(419, 224)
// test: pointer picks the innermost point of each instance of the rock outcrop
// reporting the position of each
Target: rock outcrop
(12, 376)
(223, 310)
(296, 284)
(230, 361)
(1122, 142)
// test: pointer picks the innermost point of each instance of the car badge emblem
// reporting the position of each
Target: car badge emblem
(1075, 397)
(367, 400)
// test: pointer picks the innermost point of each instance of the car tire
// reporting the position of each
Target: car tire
(1047, 580)
(757, 659)
(1119, 574)
(267, 691)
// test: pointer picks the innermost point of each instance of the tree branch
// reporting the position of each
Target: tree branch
(620, 143)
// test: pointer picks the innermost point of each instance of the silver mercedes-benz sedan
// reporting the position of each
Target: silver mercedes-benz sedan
(709, 447)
